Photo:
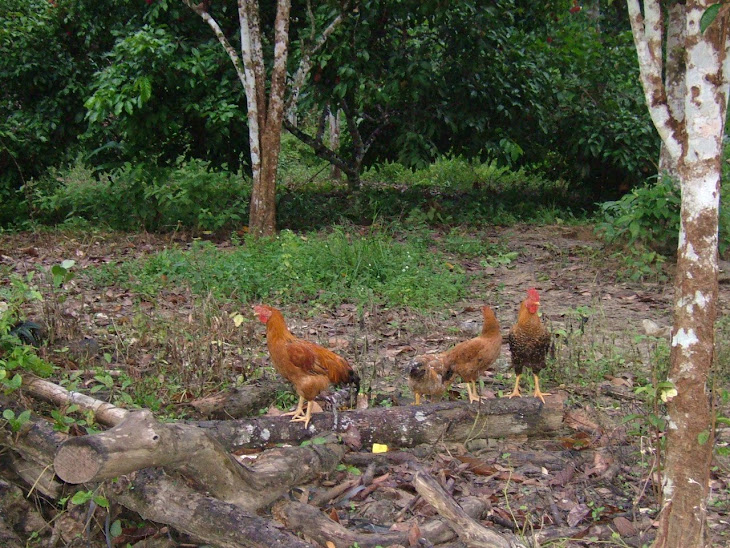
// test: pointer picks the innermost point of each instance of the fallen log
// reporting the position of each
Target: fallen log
(472, 533)
(159, 498)
(404, 426)
(140, 442)
(31, 455)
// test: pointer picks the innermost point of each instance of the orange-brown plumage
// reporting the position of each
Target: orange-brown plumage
(529, 343)
(308, 366)
(469, 359)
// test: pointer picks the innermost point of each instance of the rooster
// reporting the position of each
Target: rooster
(468, 359)
(529, 343)
(308, 366)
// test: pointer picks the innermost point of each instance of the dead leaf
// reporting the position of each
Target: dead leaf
(578, 419)
(274, 411)
(601, 462)
(362, 401)
(577, 513)
(580, 441)
(334, 517)
(563, 477)
(477, 466)
(624, 527)
(620, 381)
(414, 534)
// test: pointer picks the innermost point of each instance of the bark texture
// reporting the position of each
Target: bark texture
(405, 426)
(205, 518)
(690, 120)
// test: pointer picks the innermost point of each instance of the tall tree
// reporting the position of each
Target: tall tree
(265, 111)
(691, 131)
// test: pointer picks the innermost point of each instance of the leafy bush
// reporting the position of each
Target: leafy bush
(141, 196)
(645, 224)
(648, 215)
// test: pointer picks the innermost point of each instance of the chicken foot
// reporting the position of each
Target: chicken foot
(298, 414)
(538, 394)
(516, 390)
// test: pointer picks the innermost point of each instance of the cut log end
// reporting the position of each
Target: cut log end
(76, 464)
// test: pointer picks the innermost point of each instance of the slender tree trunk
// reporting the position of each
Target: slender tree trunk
(674, 79)
(691, 130)
(334, 126)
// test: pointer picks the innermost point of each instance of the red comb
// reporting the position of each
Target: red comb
(533, 295)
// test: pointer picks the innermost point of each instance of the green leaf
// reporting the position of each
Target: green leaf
(101, 501)
(81, 497)
(8, 414)
(68, 263)
(116, 529)
(709, 16)
(703, 436)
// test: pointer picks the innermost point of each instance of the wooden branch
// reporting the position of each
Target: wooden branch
(405, 426)
(39, 478)
(205, 518)
(240, 402)
(313, 524)
(31, 453)
(319, 148)
(105, 413)
(470, 531)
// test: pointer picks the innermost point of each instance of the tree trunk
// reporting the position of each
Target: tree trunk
(692, 136)
(674, 80)
(204, 518)
(333, 120)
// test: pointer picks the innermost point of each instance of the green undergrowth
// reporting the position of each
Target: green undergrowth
(341, 265)
(192, 196)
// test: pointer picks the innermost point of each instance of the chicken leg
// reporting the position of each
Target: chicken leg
(418, 398)
(516, 391)
(537, 393)
(471, 388)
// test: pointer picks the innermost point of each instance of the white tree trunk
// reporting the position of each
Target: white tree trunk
(691, 133)
(674, 78)
(265, 120)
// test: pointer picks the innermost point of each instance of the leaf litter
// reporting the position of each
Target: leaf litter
(591, 482)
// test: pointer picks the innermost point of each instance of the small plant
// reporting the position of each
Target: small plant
(17, 337)
(16, 423)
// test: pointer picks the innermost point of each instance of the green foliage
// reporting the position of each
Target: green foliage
(648, 215)
(329, 267)
(16, 423)
(16, 355)
(132, 197)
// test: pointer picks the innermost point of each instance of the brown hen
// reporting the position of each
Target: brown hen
(308, 366)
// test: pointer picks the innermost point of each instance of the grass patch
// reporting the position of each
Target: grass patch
(332, 267)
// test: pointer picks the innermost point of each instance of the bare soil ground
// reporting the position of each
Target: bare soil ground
(593, 482)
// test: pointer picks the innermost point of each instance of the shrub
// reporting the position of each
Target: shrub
(648, 215)
(143, 196)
